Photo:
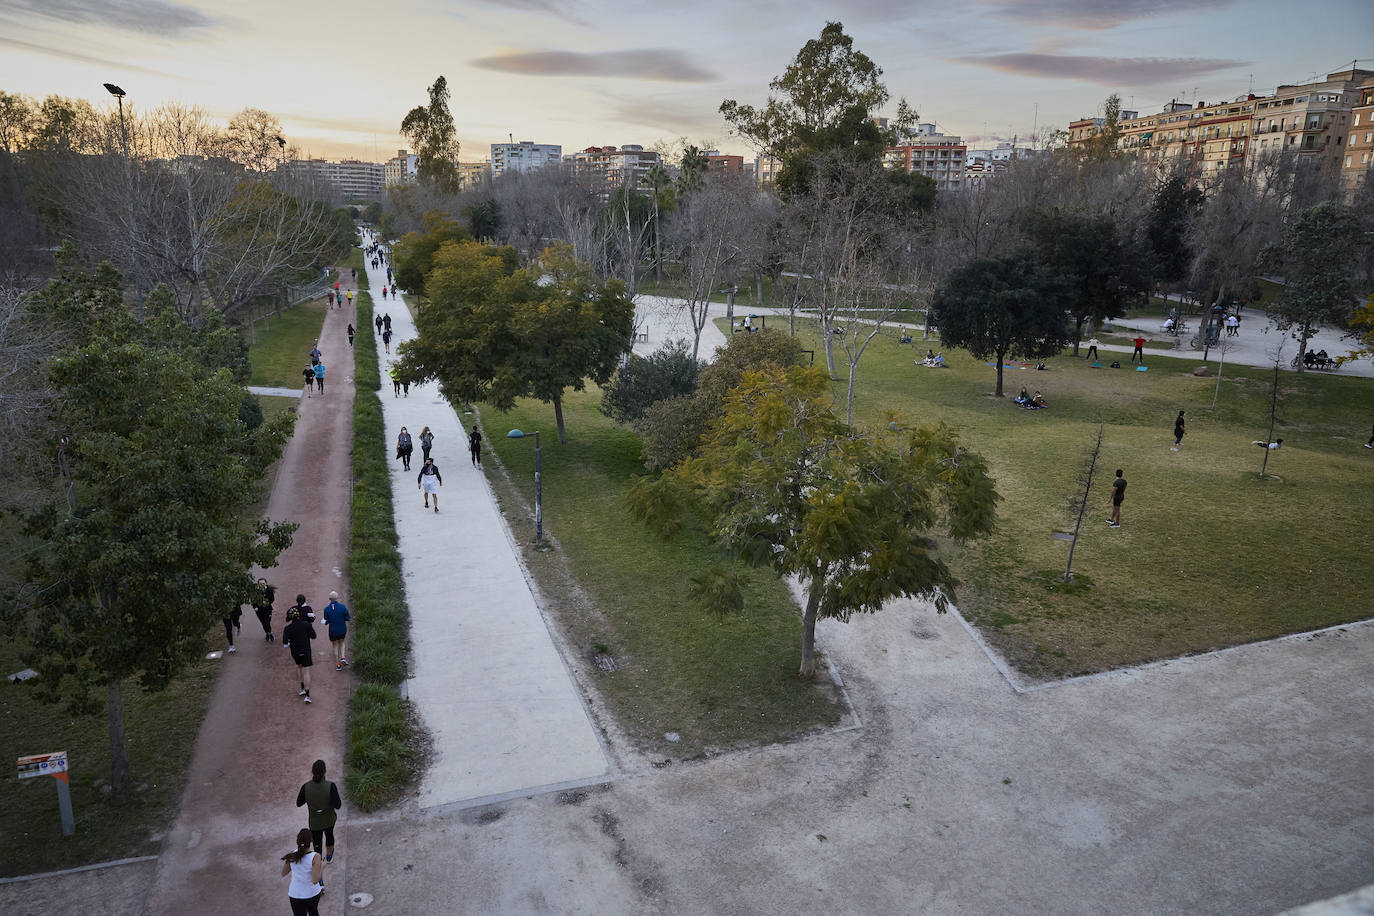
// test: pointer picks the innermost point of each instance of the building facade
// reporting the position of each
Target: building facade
(1359, 144)
(766, 170)
(720, 162)
(1312, 120)
(352, 179)
(473, 174)
(525, 156)
(1203, 137)
(401, 168)
(932, 154)
(606, 168)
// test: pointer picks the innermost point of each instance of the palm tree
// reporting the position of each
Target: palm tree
(659, 181)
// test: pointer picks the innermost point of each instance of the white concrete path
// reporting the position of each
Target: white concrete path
(277, 392)
(504, 713)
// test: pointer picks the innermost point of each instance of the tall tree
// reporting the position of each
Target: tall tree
(149, 541)
(1173, 205)
(781, 482)
(432, 135)
(492, 333)
(414, 254)
(998, 307)
(1316, 258)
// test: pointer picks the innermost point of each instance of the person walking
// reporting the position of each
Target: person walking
(319, 377)
(331, 298)
(1178, 432)
(1118, 497)
(262, 606)
(309, 374)
(404, 448)
(475, 447)
(429, 482)
(386, 339)
(1092, 350)
(351, 332)
(1139, 349)
(426, 441)
(405, 386)
(322, 803)
(296, 637)
(336, 619)
(232, 623)
(378, 322)
(306, 869)
(383, 292)
(395, 380)
(386, 321)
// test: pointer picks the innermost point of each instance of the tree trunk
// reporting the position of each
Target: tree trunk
(558, 419)
(121, 784)
(758, 288)
(849, 397)
(813, 602)
(1001, 355)
(1077, 334)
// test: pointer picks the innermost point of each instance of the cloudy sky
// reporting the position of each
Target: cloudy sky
(341, 75)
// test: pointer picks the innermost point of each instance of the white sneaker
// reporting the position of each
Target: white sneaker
(232, 650)
(307, 698)
(302, 693)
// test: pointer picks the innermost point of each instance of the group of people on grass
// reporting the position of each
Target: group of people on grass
(1028, 401)
(932, 360)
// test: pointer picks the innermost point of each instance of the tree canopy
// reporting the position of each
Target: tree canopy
(781, 482)
(414, 254)
(996, 307)
(432, 134)
(490, 332)
(1316, 257)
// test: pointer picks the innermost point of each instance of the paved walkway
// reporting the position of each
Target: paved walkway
(258, 740)
(503, 710)
(280, 392)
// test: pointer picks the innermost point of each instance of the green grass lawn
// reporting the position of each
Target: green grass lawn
(1166, 343)
(283, 347)
(1208, 555)
(161, 732)
(716, 681)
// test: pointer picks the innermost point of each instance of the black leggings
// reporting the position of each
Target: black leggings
(264, 618)
(328, 835)
(230, 623)
(309, 907)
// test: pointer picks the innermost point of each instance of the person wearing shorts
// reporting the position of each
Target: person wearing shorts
(429, 482)
(322, 802)
(1178, 432)
(309, 374)
(1118, 497)
(296, 637)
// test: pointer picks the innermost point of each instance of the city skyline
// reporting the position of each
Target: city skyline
(583, 73)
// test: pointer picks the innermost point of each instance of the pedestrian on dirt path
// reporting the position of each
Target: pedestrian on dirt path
(1118, 496)
(351, 332)
(404, 448)
(306, 869)
(296, 637)
(1139, 349)
(475, 447)
(309, 373)
(331, 298)
(386, 339)
(322, 801)
(315, 354)
(429, 482)
(319, 377)
(262, 606)
(1178, 432)
(336, 288)
(232, 623)
(426, 441)
(378, 323)
(336, 618)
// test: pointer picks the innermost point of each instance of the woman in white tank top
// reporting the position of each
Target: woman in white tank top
(306, 869)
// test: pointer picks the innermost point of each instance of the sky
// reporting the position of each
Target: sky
(341, 75)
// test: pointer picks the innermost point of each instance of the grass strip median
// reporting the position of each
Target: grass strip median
(383, 738)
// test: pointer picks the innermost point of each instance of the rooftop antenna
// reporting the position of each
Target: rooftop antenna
(1035, 123)
(511, 137)
(1252, 84)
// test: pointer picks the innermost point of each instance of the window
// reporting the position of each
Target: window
(1347, 161)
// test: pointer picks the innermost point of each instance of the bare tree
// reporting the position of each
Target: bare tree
(707, 238)
(27, 342)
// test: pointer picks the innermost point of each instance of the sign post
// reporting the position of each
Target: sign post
(54, 765)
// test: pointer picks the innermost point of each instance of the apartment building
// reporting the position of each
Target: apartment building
(930, 153)
(605, 168)
(525, 156)
(1312, 120)
(352, 179)
(401, 168)
(1359, 144)
(766, 169)
(473, 174)
(720, 162)
(1205, 137)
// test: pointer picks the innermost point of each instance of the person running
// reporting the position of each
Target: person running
(378, 323)
(386, 339)
(426, 441)
(405, 386)
(315, 353)
(1178, 432)
(395, 380)
(383, 292)
(1092, 349)
(388, 275)
(404, 448)
(336, 619)
(322, 803)
(429, 482)
(306, 869)
(349, 294)
(319, 377)
(475, 447)
(296, 637)
(351, 332)
(331, 298)
(232, 623)
(1118, 496)
(1139, 349)
(386, 321)
(308, 373)
(262, 606)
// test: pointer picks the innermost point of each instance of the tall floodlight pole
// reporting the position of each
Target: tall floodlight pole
(118, 93)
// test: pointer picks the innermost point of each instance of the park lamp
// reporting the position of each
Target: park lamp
(538, 483)
(114, 90)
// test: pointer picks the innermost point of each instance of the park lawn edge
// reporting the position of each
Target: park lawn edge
(385, 740)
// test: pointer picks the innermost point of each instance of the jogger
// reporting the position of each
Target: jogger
(296, 637)
(262, 606)
(322, 801)
(336, 619)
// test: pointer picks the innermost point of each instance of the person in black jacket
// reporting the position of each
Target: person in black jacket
(475, 447)
(429, 482)
(262, 606)
(296, 637)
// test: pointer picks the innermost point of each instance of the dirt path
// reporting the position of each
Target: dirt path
(259, 739)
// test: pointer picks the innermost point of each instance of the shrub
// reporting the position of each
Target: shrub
(642, 382)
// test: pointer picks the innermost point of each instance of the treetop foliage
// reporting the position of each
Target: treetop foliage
(432, 134)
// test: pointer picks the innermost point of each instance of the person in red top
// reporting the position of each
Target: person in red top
(1139, 350)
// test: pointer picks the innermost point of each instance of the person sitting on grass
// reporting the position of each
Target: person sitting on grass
(938, 361)
(1023, 397)
(1038, 402)
(903, 337)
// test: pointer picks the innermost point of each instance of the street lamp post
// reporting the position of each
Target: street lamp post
(119, 94)
(538, 483)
